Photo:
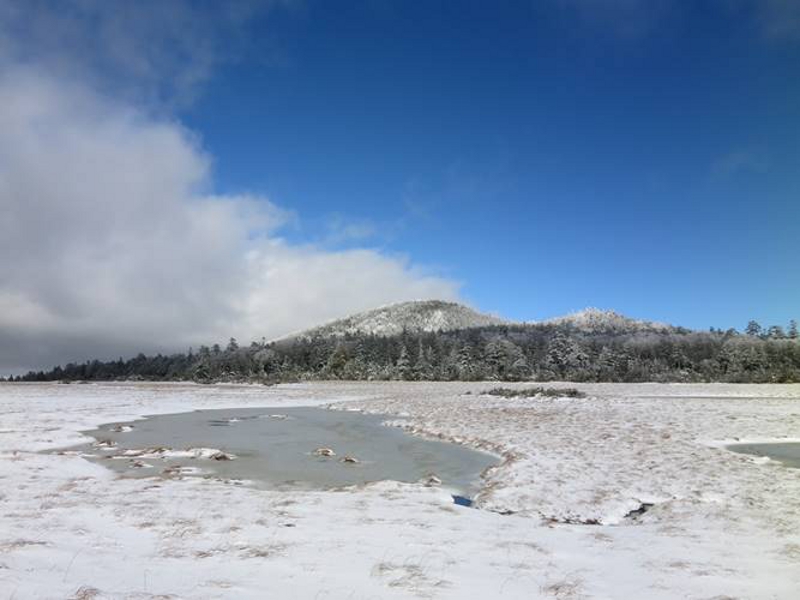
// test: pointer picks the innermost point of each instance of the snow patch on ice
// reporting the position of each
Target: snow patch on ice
(166, 453)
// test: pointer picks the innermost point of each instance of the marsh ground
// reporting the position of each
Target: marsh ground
(560, 518)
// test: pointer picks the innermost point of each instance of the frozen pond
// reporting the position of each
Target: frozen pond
(787, 453)
(283, 447)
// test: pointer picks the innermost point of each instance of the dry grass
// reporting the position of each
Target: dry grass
(412, 576)
(791, 551)
(12, 545)
(535, 392)
(566, 589)
(85, 593)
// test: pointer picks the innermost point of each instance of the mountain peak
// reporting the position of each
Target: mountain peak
(413, 316)
(596, 319)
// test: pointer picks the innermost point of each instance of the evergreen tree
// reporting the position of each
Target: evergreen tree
(465, 368)
(403, 364)
(776, 333)
(564, 355)
(422, 368)
(753, 329)
(509, 352)
(520, 370)
(495, 359)
(337, 361)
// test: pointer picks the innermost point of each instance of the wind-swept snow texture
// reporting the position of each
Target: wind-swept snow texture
(422, 315)
(623, 494)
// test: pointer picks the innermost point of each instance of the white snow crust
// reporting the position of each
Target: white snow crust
(551, 521)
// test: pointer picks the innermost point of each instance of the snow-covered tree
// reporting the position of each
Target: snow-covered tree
(753, 329)
(337, 361)
(403, 364)
(423, 370)
(775, 332)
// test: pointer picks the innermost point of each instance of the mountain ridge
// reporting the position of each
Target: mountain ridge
(392, 319)
(441, 315)
(594, 320)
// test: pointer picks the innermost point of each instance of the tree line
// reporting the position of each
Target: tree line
(530, 352)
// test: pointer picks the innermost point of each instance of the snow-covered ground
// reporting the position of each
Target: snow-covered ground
(552, 522)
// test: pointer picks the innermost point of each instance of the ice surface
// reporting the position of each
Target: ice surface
(786, 453)
(246, 444)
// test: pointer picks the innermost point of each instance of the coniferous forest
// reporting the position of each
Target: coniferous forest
(524, 352)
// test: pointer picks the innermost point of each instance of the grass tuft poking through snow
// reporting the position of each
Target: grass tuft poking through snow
(535, 392)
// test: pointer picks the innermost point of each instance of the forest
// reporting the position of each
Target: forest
(524, 352)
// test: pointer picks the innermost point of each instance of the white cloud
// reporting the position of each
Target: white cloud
(295, 286)
(112, 240)
(740, 161)
(342, 231)
(774, 19)
(150, 50)
(623, 18)
(780, 18)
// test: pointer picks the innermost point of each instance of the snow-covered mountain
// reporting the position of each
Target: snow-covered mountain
(595, 320)
(437, 315)
(421, 315)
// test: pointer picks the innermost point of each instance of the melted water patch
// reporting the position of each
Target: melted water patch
(308, 448)
(787, 453)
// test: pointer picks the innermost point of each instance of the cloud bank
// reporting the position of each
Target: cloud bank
(148, 50)
(112, 241)
(112, 238)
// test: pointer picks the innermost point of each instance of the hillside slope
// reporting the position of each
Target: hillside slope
(415, 316)
(595, 320)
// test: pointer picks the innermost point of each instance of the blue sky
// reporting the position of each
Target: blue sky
(547, 156)
(175, 173)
